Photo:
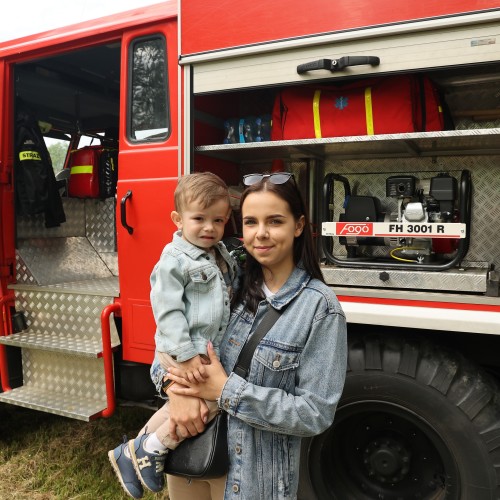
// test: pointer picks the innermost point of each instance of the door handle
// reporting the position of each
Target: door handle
(337, 64)
(123, 212)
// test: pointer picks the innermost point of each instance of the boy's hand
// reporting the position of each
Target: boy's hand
(194, 370)
(213, 385)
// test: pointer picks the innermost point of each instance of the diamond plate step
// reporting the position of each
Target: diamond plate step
(65, 317)
(67, 405)
(89, 347)
(72, 386)
(100, 286)
(65, 277)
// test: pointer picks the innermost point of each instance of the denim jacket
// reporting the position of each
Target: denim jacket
(190, 301)
(294, 384)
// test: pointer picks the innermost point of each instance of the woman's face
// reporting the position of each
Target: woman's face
(269, 231)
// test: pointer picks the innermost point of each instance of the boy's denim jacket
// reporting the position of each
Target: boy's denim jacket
(294, 384)
(190, 301)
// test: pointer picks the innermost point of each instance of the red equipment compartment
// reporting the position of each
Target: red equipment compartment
(398, 104)
(84, 172)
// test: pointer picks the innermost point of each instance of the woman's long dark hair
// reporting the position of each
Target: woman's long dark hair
(250, 290)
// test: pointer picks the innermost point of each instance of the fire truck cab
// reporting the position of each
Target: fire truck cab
(406, 221)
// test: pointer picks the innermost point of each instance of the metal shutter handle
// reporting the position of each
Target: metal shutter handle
(337, 64)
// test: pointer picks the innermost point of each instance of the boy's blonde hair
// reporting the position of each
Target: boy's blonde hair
(204, 187)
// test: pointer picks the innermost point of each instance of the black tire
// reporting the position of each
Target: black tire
(414, 422)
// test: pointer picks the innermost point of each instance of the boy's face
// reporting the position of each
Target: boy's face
(202, 227)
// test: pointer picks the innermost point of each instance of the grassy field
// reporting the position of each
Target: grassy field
(45, 457)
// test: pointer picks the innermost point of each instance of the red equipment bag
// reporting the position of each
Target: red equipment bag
(390, 105)
(84, 172)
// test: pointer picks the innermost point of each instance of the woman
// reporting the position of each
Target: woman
(298, 369)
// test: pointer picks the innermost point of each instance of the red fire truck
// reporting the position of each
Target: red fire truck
(404, 199)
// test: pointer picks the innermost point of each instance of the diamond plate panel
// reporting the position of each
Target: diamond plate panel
(64, 374)
(111, 261)
(53, 255)
(466, 124)
(23, 273)
(56, 260)
(100, 224)
(470, 280)
(65, 314)
(33, 226)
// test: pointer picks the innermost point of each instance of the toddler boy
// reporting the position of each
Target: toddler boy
(191, 286)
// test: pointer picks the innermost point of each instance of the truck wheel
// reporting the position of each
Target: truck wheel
(414, 422)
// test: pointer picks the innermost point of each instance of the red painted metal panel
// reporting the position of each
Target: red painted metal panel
(216, 25)
(148, 212)
(7, 227)
(7, 250)
(150, 172)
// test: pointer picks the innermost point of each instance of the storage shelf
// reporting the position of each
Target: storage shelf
(417, 144)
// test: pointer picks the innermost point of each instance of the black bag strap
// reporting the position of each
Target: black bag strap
(246, 354)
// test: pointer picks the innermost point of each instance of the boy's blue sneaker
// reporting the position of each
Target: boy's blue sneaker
(124, 469)
(148, 466)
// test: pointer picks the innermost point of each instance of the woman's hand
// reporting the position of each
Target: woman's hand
(188, 415)
(210, 388)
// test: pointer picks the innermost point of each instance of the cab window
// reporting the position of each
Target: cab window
(148, 98)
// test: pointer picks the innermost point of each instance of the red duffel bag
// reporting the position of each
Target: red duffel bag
(84, 172)
(386, 105)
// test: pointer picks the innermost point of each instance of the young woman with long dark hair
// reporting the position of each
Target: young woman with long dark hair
(298, 369)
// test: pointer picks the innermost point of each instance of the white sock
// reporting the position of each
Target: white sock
(153, 444)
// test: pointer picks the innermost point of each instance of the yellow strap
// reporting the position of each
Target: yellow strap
(82, 169)
(29, 155)
(317, 121)
(369, 111)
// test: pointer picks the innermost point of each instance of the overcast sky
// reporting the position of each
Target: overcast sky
(24, 17)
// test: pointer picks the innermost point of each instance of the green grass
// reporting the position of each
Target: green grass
(45, 457)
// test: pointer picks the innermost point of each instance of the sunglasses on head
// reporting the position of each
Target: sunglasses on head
(276, 178)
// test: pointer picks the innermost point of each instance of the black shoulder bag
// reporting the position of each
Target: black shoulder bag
(205, 456)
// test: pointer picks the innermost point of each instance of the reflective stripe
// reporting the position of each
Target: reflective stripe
(369, 111)
(317, 121)
(82, 169)
(29, 155)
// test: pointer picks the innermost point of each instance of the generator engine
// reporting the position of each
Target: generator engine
(418, 201)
